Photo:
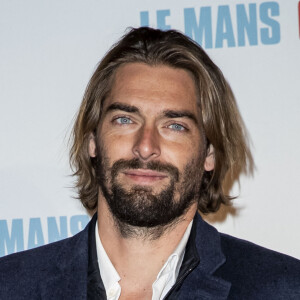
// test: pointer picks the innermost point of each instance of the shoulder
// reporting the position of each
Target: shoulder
(41, 256)
(22, 273)
(259, 270)
(248, 252)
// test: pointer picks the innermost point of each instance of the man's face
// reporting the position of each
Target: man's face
(150, 147)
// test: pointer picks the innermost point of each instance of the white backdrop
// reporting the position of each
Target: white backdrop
(48, 52)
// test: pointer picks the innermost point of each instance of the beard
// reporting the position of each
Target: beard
(139, 210)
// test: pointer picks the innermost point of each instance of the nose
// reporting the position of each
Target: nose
(146, 146)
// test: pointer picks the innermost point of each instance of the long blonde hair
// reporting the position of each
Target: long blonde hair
(222, 123)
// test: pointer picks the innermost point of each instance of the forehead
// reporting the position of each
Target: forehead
(157, 87)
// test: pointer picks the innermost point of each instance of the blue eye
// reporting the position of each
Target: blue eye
(176, 127)
(123, 120)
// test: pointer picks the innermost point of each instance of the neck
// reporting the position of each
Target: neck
(140, 256)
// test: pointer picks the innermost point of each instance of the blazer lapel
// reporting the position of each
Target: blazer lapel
(201, 283)
(201, 286)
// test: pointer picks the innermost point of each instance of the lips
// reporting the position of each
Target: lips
(144, 175)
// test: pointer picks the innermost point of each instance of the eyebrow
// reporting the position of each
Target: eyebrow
(172, 114)
(180, 114)
(123, 107)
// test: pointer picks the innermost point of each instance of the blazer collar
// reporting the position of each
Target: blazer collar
(95, 286)
(76, 267)
(204, 247)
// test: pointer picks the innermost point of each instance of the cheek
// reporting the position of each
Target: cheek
(183, 150)
(116, 146)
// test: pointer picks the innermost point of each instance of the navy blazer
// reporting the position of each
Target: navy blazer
(219, 267)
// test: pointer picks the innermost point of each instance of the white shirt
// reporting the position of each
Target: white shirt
(164, 281)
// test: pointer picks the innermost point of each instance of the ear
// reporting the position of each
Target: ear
(209, 163)
(92, 145)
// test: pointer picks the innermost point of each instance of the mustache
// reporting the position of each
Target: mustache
(135, 163)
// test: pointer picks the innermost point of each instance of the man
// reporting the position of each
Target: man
(156, 133)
